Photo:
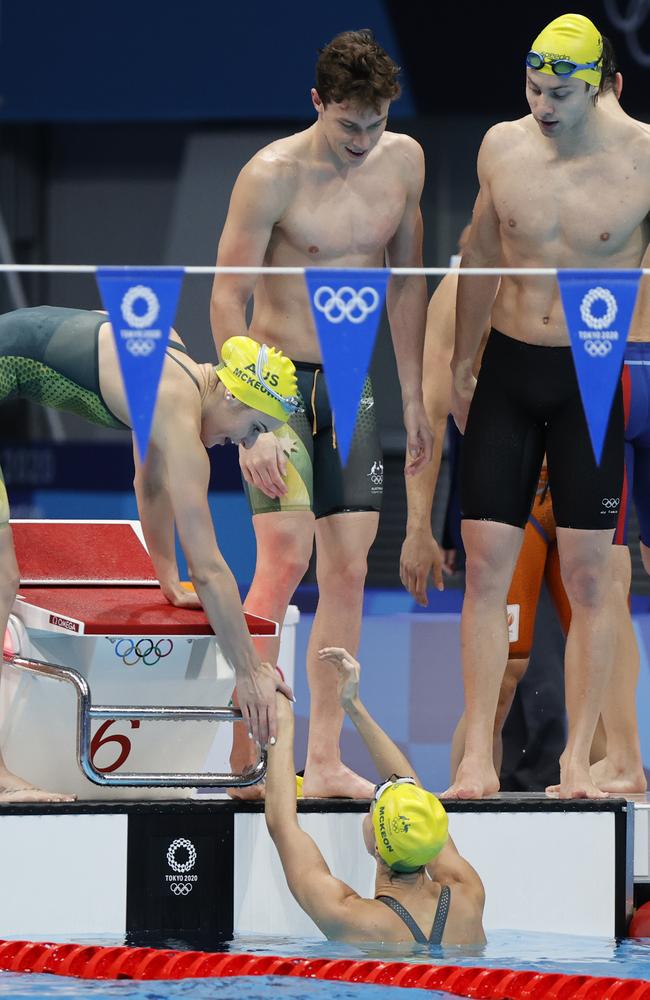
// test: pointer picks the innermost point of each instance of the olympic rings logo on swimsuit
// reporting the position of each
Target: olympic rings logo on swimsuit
(181, 888)
(597, 348)
(598, 294)
(150, 299)
(144, 651)
(191, 855)
(346, 303)
(611, 503)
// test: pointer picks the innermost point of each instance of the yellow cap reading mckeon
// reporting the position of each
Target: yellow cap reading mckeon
(571, 45)
(410, 826)
(259, 376)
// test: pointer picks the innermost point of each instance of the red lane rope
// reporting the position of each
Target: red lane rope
(121, 962)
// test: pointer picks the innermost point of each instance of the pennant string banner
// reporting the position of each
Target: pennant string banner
(346, 306)
(141, 305)
(598, 306)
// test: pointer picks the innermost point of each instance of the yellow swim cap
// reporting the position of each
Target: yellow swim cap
(259, 376)
(410, 826)
(571, 37)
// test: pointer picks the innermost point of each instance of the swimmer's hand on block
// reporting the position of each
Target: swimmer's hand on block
(183, 596)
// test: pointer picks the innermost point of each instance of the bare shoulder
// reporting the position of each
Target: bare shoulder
(275, 166)
(505, 136)
(405, 153)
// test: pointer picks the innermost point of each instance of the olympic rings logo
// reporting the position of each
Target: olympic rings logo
(611, 503)
(150, 299)
(181, 888)
(346, 303)
(139, 347)
(598, 294)
(171, 855)
(144, 651)
(376, 474)
(597, 348)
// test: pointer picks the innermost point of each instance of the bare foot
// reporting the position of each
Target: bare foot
(240, 764)
(15, 789)
(621, 781)
(575, 783)
(475, 779)
(336, 782)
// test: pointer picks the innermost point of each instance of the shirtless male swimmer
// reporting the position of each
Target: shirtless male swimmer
(343, 193)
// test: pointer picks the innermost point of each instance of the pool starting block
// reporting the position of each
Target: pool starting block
(110, 685)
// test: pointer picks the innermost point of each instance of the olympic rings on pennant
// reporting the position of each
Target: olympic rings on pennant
(597, 348)
(143, 651)
(346, 303)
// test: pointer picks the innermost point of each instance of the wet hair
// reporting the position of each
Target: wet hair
(353, 67)
(609, 67)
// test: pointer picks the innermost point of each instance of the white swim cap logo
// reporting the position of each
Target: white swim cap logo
(346, 303)
(594, 346)
(185, 866)
(150, 299)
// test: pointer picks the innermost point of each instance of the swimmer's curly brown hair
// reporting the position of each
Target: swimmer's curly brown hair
(353, 67)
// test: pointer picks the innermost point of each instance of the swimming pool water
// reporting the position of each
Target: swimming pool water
(625, 959)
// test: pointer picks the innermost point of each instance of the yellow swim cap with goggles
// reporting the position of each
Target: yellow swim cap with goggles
(259, 376)
(410, 824)
(570, 46)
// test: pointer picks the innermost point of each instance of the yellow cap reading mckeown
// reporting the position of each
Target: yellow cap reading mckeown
(410, 826)
(259, 376)
(575, 38)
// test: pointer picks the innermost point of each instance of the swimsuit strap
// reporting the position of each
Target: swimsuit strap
(183, 349)
(405, 916)
(440, 919)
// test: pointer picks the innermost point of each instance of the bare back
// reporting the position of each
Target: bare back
(587, 210)
(292, 206)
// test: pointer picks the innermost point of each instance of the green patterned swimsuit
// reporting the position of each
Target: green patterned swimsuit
(50, 355)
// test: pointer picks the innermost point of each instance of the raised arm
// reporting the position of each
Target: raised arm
(420, 552)
(323, 897)
(387, 756)
(449, 866)
(406, 302)
(475, 295)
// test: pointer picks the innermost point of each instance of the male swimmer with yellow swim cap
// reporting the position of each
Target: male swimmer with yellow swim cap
(66, 358)
(425, 891)
(344, 192)
(566, 186)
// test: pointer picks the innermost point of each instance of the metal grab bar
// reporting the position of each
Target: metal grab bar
(86, 712)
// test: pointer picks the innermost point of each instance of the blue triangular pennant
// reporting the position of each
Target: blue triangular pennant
(141, 305)
(598, 306)
(346, 306)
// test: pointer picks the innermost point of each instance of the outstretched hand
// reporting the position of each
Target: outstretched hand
(349, 671)
(257, 701)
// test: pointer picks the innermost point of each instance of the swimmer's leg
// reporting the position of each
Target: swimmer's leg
(342, 545)
(516, 667)
(12, 787)
(586, 562)
(492, 549)
(621, 770)
(284, 543)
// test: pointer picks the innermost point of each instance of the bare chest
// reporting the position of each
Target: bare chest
(585, 212)
(341, 222)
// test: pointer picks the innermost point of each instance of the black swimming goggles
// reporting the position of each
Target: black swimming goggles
(393, 780)
(561, 67)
